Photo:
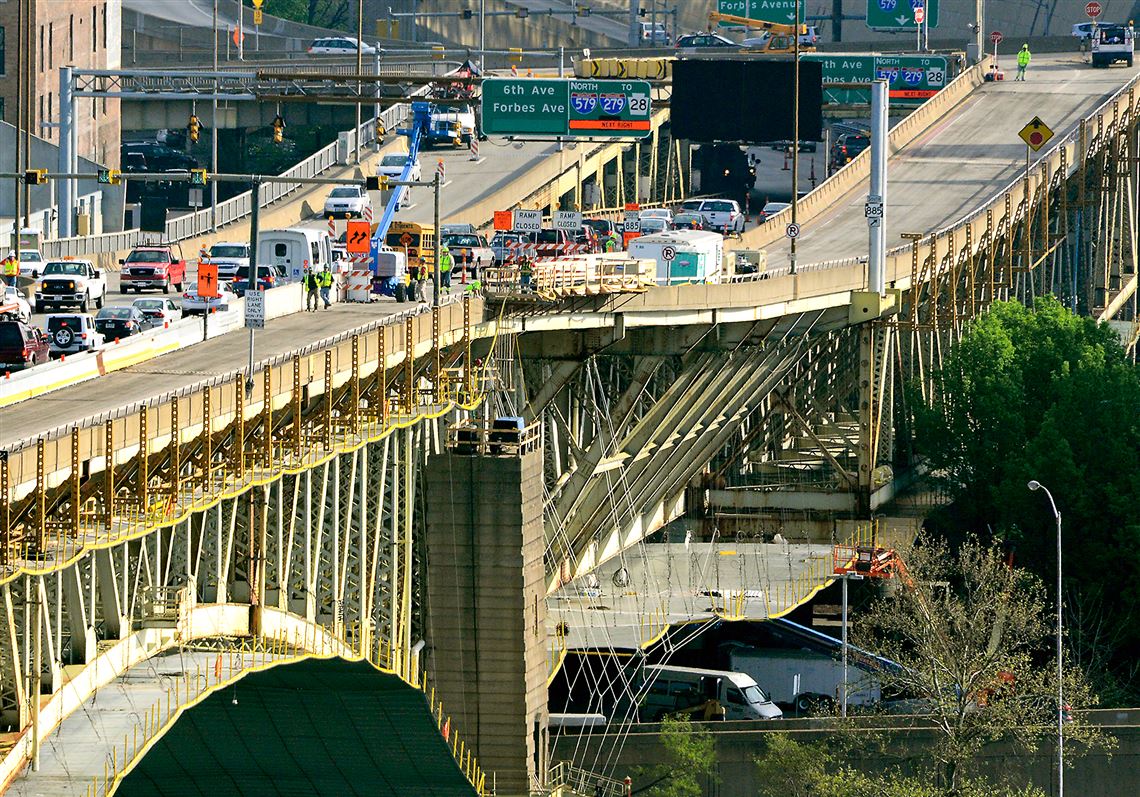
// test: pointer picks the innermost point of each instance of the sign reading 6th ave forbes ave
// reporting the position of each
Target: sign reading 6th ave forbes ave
(587, 108)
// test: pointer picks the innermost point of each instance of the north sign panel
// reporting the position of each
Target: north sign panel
(590, 108)
(912, 78)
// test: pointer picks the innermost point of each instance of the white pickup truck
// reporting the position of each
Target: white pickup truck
(70, 283)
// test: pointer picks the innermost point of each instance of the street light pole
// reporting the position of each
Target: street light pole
(435, 245)
(1035, 485)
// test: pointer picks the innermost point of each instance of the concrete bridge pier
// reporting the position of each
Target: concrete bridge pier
(486, 603)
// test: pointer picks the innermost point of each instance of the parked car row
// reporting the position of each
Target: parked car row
(23, 345)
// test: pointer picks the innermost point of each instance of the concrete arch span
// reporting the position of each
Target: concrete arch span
(206, 707)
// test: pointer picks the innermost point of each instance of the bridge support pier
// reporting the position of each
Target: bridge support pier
(486, 607)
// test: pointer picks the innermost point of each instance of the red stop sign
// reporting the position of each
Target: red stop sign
(919, 15)
(996, 37)
(1092, 10)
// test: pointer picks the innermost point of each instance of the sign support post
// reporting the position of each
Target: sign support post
(876, 202)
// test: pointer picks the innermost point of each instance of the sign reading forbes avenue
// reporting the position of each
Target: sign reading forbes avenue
(588, 108)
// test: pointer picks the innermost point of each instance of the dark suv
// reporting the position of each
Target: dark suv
(846, 147)
(21, 346)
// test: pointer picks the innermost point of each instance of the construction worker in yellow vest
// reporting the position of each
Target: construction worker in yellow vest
(1023, 59)
(445, 264)
(325, 280)
(11, 269)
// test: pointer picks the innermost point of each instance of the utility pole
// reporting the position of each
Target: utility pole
(21, 163)
(877, 219)
(214, 132)
(482, 36)
(795, 132)
(633, 37)
(29, 105)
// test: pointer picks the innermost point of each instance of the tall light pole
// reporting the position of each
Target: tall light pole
(1035, 485)
(359, 67)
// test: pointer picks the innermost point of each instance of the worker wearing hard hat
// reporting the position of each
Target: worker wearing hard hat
(1023, 59)
(445, 264)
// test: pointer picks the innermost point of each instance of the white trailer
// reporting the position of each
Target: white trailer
(298, 249)
(683, 256)
(1112, 44)
(817, 676)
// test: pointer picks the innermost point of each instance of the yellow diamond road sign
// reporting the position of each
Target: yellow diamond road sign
(1036, 134)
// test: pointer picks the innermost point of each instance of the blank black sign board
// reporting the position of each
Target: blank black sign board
(153, 214)
(746, 101)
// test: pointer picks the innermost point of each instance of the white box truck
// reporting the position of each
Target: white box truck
(297, 249)
(819, 677)
(666, 690)
(683, 256)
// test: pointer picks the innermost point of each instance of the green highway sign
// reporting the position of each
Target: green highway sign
(587, 108)
(783, 11)
(913, 79)
(899, 14)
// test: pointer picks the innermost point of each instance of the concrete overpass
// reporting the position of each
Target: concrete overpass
(644, 401)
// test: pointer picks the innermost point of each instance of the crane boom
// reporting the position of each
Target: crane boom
(755, 24)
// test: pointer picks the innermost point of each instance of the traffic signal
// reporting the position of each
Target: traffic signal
(278, 129)
(198, 176)
(522, 13)
(108, 176)
(466, 13)
(194, 127)
(583, 11)
(35, 177)
(372, 183)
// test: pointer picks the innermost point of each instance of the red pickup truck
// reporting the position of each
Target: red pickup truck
(153, 268)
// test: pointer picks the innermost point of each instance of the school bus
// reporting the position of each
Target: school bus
(417, 241)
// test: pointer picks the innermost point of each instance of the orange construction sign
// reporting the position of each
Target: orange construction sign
(504, 220)
(358, 237)
(208, 280)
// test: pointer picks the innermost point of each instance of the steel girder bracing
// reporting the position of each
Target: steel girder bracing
(627, 434)
(298, 496)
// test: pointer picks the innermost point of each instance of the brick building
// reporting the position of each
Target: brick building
(80, 33)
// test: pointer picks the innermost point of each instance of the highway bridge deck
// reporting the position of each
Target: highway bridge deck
(222, 355)
(961, 161)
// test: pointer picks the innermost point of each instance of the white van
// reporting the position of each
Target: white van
(663, 689)
(683, 256)
(296, 249)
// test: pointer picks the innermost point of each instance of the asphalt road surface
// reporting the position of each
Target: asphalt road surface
(964, 160)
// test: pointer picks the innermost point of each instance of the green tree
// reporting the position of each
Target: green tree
(972, 638)
(792, 768)
(1040, 393)
(332, 14)
(691, 761)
